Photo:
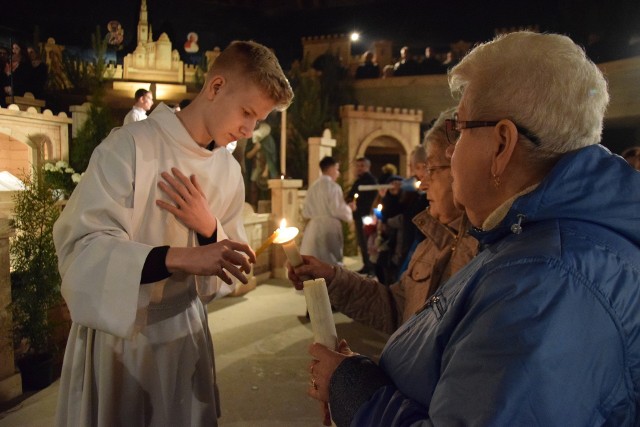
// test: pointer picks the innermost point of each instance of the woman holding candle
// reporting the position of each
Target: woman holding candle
(542, 327)
(446, 248)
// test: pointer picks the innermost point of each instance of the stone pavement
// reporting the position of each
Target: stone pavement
(260, 341)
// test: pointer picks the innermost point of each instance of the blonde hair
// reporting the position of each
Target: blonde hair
(542, 82)
(390, 168)
(259, 65)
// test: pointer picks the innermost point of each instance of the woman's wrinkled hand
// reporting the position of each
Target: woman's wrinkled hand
(312, 268)
(322, 367)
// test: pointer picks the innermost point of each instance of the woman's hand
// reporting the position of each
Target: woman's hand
(191, 206)
(313, 268)
(323, 366)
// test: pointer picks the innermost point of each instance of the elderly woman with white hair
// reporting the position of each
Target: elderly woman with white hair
(542, 327)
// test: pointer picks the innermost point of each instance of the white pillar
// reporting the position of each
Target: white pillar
(318, 149)
(79, 115)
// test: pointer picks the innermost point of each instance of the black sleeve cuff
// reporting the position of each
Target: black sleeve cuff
(155, 266)
(203, 241)
(353, 383)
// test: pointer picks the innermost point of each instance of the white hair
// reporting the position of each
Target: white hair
(542, 82)
(437, 136)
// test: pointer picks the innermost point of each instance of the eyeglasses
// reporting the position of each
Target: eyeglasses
(432, 169)
(454, 128)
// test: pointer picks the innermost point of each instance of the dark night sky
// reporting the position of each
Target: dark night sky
(417, 23)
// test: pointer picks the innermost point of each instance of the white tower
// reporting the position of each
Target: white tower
(143, 24)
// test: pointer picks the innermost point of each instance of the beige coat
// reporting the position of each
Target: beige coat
(444, 251)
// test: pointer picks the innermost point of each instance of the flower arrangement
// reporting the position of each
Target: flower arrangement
(61, 176)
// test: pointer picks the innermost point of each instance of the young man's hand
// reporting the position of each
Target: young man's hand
(191, 206)
(216, 259)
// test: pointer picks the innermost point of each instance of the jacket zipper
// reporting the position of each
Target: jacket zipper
(436, 303)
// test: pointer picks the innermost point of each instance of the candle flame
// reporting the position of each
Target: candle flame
(380, 206)
(282, 177)
(283, 224)
(418, 184)
(355, 196)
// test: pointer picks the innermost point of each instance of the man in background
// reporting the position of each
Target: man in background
(325, 207)
(361, 206)
(144, 102)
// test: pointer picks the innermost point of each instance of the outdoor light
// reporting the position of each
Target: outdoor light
(355, 36)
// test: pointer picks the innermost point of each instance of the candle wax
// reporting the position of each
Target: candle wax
(320, 314)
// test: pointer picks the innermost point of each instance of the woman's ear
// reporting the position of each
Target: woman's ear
(505, 136)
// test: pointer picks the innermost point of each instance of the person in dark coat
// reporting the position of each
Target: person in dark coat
(361, 206)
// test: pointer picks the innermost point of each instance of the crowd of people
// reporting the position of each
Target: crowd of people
(22, 70)
(541, 326)
(408, 64)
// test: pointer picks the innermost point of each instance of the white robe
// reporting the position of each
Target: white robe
(140, 354)
(136, 114)
(325, 207)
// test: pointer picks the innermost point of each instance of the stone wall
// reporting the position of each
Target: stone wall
(24, 133)
(430, 93)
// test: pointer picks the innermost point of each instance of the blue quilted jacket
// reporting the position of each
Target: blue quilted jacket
(542, 328)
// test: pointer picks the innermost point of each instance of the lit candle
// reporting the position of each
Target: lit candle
(287, 238)
(418, 184)
(378, 211)
(355, 197)
(267, 242)
(320, 314)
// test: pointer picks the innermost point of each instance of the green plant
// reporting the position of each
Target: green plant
(60, 176)
(319, 93)
(35, 281)
(96, 128)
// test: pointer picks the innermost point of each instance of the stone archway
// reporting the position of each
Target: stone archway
(387, 134)
(383, 149)
(28, 138)
(17, 156)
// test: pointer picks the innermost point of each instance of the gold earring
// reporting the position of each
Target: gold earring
(496, 181)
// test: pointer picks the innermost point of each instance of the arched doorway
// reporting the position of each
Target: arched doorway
(15, 156)
(386, 149)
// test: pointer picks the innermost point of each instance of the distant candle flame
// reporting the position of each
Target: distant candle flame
(283, 224)
(380, 207)
(355, 196)
(282, 177)
(418, 184)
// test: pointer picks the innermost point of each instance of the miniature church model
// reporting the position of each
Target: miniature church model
(152, 61)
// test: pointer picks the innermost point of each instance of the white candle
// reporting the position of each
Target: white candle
(375, 187)
(287, 238)
(283, 143)
(319, 306)
(292, 252)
